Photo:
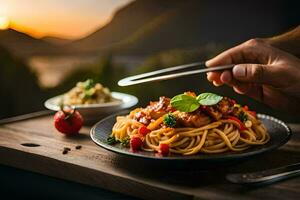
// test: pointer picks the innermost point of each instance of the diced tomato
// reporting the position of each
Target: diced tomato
(164, 149)
(242, 126)
(143, 130)
(172, 109)
(253, 113)
(232, 101)
(246, 108)
(203, 107)
(136, 143)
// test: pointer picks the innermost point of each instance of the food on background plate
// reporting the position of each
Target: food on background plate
(68, 121)
(87, 92)
(189, 124)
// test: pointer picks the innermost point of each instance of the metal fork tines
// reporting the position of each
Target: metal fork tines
(266, 176)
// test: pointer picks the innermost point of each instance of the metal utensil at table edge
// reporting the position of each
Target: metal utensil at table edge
(146, 77)
(25, 116)
(266, 176)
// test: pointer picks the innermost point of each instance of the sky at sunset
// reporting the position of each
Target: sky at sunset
(63, 18)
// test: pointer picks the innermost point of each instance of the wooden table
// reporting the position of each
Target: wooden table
(95, 166)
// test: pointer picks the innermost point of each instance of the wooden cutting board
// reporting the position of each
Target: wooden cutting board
(95, 166)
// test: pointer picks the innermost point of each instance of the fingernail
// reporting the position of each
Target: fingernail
(208, 76)
(216, 84)
(225, 77)
(239, 71)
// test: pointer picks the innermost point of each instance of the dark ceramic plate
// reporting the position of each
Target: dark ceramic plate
(279, 131)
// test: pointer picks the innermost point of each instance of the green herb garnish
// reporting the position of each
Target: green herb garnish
(186, 103)
(243, 117)
(170, 120)
(111, 140)
(208, 99)
(125, 142)
(89, 94)
(88, 84)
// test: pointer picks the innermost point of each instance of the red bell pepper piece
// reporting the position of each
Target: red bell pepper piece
(143, 130)
(253, 113)
(246, 108)
(241, 124)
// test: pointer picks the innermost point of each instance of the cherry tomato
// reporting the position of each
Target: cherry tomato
(68, 121)
(164, 149)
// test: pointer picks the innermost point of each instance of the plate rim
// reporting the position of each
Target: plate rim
(193, 157)
(134, 101)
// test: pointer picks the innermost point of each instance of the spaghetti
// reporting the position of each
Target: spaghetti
(224, 126)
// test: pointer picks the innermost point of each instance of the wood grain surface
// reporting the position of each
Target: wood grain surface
(36, 146)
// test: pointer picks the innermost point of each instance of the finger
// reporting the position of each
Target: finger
(253, 91)
(221, 59)
(226, 77)
(213, 76)
(217, 83)
(242, 88)
(252, 51)
(255, 73)
(233, 55)
(237, 90)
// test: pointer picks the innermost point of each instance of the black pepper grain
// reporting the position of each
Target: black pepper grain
(78, 147)
(67, 149)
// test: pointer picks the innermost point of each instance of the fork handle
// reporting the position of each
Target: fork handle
(266, 176)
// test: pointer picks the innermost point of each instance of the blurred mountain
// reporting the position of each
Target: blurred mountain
(144, 27)
(149, 26)
(23, 45)
(19, 90)
(126, 21)
(56, 40)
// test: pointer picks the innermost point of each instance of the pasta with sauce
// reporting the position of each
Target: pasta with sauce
(163, 127)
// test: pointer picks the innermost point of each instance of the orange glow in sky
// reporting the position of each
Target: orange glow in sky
(63, 18)
(4, 22)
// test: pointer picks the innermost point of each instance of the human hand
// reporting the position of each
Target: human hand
(262, 72)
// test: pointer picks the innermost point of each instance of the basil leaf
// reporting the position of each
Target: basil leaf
(208, 99)
(185, 103)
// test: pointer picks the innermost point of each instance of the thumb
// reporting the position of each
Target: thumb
(254, 73)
